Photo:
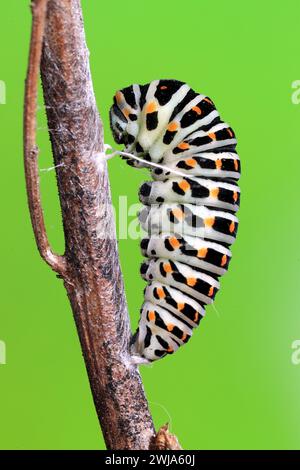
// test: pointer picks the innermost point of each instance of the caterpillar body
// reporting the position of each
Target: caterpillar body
(188, 209)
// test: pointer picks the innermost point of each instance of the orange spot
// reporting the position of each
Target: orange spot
(208, 100)
(174, 242)
(119, 97)
(212, 135)
(163, 87)
(209, 222)
(184, 336)
(196, 317)
(173, 126)
(170, 350)
(126, 112)
(191, 162)
(191, 281)
(211, 291)
(151, 315)
(197, 110)
(214, 192)
(178, 213)
(224, 259)
(231, 227)
(183, 146)
(202, 253)
(184, 185)
(229, 131)
(219, 164)
(170, 327)
(167, 267)
(180, 306)
(151, 107)
(160, 293)
(235, 196)
(236, 165)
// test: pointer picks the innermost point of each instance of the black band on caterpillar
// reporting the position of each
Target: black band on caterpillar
(189, 219)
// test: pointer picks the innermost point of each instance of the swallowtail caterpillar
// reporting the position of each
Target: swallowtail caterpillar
(189, 207)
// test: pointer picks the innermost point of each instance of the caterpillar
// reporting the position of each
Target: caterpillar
(188, 208)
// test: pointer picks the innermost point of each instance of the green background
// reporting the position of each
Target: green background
(234, 386)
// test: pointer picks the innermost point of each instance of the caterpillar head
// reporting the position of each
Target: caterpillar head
(140, 116)
(118, 124)
(124, 122)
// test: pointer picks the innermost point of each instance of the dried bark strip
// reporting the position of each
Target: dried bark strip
(90, 266)
(164, 440)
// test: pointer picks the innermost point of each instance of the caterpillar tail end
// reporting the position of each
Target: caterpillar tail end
(135, 355)
(136, 358)
(139, 360)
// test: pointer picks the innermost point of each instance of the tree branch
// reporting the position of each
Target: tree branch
(90, 267)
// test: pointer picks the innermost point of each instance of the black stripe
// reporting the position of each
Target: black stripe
(166, 89)
(191, 94)
(129, 96)
(144, 89)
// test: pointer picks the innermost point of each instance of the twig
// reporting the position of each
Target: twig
(90, 266)
(56, 262)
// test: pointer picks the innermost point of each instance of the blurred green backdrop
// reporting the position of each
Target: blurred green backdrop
(234, 386)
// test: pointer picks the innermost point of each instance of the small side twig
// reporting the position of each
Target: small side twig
(57, 262)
